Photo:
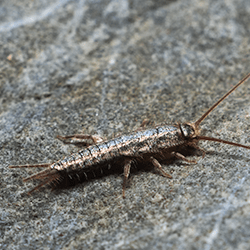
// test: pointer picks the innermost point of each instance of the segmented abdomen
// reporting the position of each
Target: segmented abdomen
(133, 145)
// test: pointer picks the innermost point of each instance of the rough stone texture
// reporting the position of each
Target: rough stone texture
(102, 67)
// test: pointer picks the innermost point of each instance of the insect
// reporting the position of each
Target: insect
(153, 145)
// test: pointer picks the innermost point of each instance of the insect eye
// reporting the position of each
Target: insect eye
(187, 130)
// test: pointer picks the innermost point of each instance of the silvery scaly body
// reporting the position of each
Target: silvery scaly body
(145, 146)
(140, 144)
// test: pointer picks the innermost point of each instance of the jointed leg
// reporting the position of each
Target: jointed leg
(198, 148)
(144, 124)
(158, 166)
(182, 157)
(83, 139)
(127, 167)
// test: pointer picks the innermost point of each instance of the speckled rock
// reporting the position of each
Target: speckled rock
(102, 67)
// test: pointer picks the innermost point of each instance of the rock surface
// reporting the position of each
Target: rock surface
(102, 67)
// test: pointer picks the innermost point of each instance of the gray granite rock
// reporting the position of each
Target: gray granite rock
(102, 67)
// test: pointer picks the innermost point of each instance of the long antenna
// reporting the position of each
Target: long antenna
(197, 123)
(205, 138)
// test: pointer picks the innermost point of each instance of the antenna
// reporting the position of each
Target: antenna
(198, 122)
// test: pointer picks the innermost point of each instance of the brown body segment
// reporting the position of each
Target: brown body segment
(152, 145)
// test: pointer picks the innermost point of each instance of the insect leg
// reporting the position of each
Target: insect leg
(198, 148)
(182, 157)
(127, 167)
(81, 139)
(158, 166)
(144, 124)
